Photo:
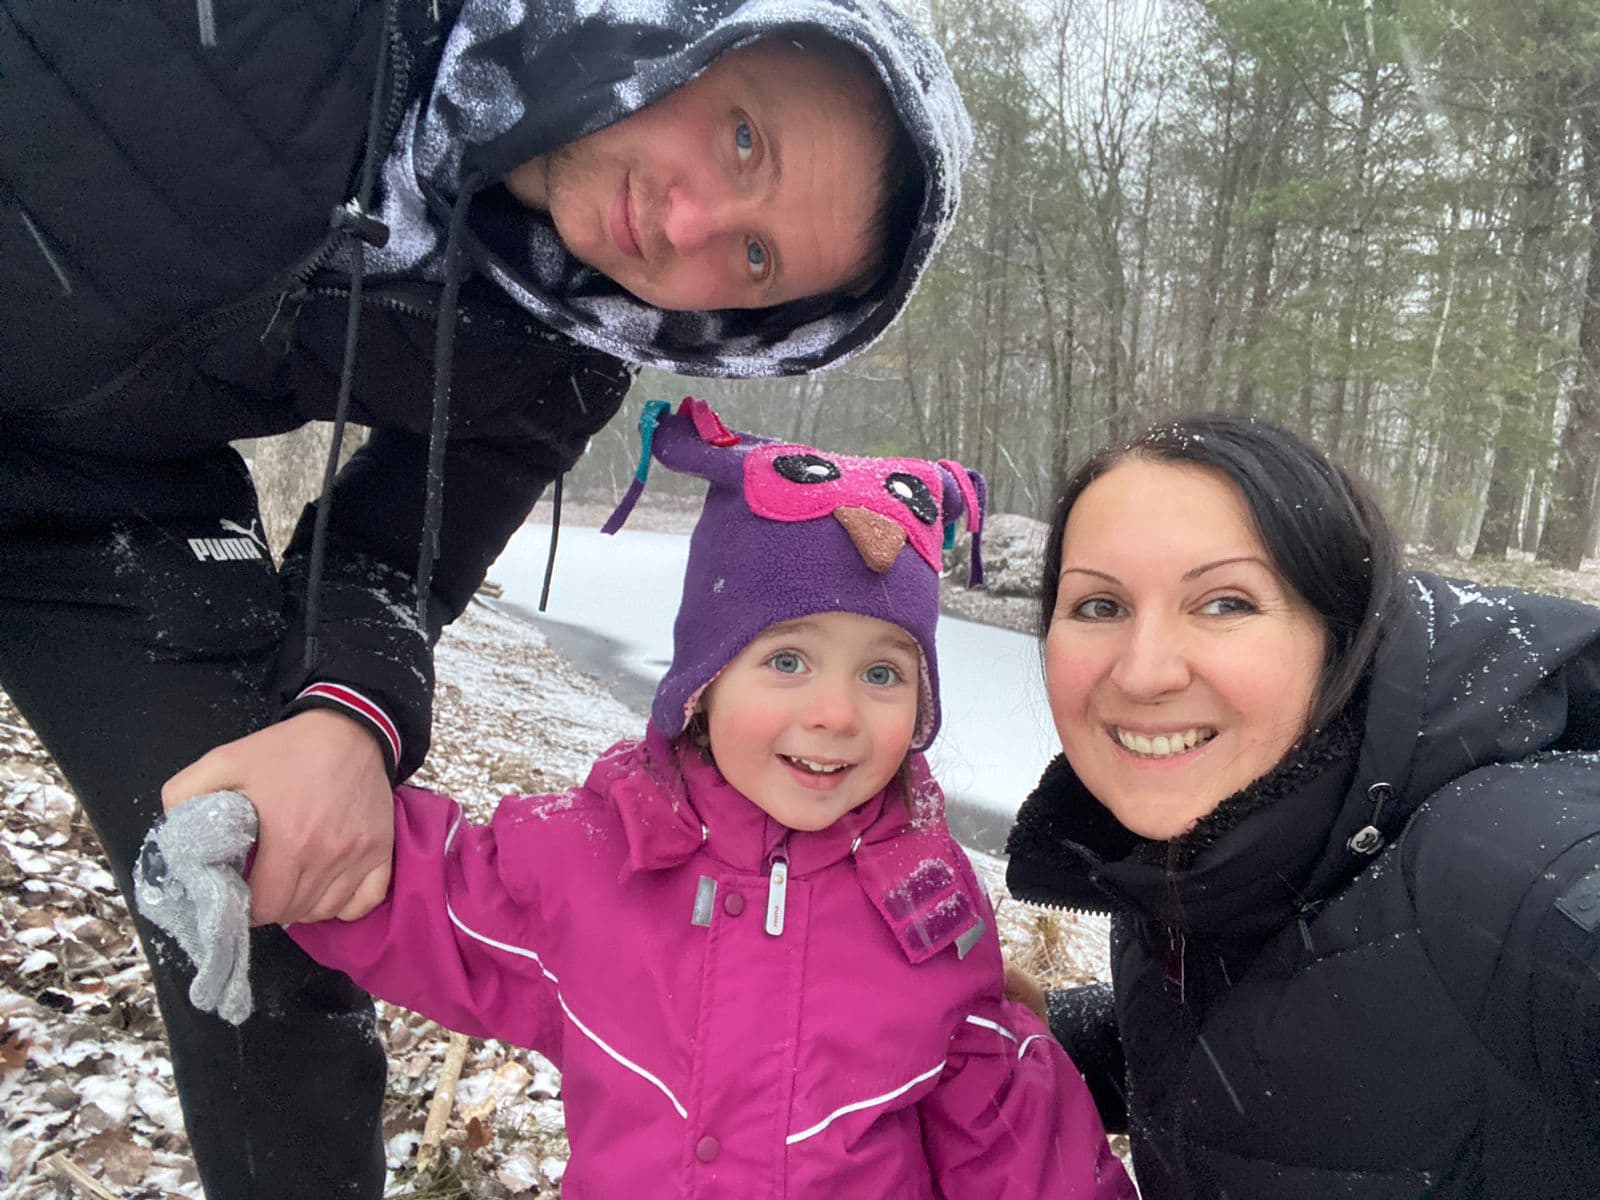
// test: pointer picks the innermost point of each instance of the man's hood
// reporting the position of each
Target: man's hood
(520, 78)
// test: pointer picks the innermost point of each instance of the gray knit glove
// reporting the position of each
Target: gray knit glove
(189, 880)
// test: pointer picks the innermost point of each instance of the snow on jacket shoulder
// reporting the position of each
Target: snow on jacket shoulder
(621, 928)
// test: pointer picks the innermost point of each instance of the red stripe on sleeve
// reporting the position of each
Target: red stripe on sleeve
(357, 703)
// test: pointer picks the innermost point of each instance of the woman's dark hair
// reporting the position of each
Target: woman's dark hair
(1321, 527)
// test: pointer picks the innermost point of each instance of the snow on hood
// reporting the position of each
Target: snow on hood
(1474, 675)
(519, 78)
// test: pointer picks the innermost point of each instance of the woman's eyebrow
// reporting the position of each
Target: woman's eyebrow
(1090, 571)
(1196, 572)
(1191, 573)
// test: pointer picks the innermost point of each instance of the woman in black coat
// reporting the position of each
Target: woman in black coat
(1347, 824)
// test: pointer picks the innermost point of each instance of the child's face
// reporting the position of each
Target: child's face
(815, 716)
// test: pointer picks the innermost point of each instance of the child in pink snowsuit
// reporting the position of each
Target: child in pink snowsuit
(749, 941)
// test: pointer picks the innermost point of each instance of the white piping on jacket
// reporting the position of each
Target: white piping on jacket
(987, 1024)
(524, 952)
(981, 1022)
(860, 1104)
(1022, 1047)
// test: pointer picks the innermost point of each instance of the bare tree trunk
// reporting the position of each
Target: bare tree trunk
(1142, 264)
(1547, 131)
(1442, 530)
(288, 471)
(1216, 255)
(1569, 532)
(918, 417)
(1059, 395)
(1349, 335)
(1265, 253)
(1594, 522)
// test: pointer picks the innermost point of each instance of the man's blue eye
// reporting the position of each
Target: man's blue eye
(756, 256)
(744, 140)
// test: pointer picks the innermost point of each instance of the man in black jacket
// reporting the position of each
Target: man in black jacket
(545, 197)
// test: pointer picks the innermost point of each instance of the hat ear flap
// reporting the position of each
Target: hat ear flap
(694, 441)
(965, 493)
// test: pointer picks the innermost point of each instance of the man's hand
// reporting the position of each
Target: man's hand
(327, 815)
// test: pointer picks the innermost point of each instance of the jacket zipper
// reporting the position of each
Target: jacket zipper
(777, 890)
(1075, 909)
(278, 336)
(271, 300)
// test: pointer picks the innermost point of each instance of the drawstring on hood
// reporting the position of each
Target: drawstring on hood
(555, 534)
(443, 354)
(361, 229)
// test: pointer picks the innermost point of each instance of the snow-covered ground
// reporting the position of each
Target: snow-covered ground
(85, 1086)
(996, 736)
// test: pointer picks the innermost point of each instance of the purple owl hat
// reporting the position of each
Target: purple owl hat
(788, 531)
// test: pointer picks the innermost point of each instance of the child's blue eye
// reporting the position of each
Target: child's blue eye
(786, 662)
(881, 675)
(744, 141)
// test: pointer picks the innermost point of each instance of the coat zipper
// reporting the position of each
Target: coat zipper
(777, 890)
(269, 301)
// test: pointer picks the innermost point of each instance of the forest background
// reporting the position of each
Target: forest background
(1375, 221)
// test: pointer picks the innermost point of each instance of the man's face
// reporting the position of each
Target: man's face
(753, 184)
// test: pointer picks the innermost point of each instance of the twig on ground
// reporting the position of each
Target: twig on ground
(69, 1172)
(444, 1099)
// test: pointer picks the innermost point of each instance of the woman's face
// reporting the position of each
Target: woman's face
(1180, 665)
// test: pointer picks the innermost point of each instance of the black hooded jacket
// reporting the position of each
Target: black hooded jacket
(171, 280)
(1374, 973)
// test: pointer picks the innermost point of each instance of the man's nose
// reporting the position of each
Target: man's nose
(1154, 660)
(695, 216)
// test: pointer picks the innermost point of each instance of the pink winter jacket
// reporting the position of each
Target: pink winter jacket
(629, 930)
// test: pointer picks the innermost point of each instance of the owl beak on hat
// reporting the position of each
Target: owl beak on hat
(877, 539)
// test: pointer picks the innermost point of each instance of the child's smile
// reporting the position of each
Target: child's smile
(814, 717)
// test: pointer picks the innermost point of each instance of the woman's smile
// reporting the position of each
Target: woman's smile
(1168, 745)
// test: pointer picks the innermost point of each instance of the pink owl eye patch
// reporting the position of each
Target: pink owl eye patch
(795, 483)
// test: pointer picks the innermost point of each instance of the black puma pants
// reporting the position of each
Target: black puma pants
(139, 627)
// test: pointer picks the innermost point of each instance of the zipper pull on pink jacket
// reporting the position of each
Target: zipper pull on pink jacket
(777, 893)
